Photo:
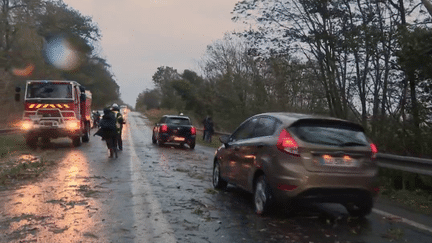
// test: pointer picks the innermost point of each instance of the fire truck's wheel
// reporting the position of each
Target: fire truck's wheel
(76, 141)
(31, 141)
(86, 136)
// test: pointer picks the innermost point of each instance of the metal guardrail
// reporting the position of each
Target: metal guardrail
(215, 132)
(404, 163)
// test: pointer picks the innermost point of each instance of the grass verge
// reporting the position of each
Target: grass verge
(10, 144)
(17, 161)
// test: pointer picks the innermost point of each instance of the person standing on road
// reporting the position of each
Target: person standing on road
(208, 129)
(204, 122)
(96, 119)
(119, 126)
(108, 132)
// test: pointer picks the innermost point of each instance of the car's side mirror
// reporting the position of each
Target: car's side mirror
(224, 139)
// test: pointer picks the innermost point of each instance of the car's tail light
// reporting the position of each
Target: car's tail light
(376, 190)
(374, 150)
(286, 187)
(287, 144)
(164, 128)
(193, 130)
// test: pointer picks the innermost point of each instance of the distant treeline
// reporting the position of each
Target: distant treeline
(26, 27)
(356, 60)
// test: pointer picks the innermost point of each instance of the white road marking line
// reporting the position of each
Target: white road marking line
(403, 220)
(151, 226)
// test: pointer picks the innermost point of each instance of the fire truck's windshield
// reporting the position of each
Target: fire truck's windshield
(49, 90)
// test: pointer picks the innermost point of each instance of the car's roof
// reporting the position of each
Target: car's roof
(175, 116)
(291, 117)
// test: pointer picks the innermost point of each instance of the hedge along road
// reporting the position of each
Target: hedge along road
(164, 194)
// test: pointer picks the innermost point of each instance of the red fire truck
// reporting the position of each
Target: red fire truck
(56, 108)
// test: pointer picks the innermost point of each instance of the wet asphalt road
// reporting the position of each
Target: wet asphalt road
(164, 194)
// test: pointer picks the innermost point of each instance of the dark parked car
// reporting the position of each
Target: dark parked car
(174, 129)
(289, 158)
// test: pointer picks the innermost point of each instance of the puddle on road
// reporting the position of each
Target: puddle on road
(55, 209)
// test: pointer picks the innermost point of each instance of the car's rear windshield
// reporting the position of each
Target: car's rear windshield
(178, 121)
(330, 132)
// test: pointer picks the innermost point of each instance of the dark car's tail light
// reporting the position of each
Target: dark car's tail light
(286, 187)
(287, 144)
(164, 128)
(374, 150)
(193, 131)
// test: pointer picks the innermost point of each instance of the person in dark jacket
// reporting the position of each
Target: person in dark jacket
(119, 124)
(108, 131)
(208, 129)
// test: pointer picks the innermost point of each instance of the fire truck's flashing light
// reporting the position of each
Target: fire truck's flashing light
(72, 125)
(26, 125)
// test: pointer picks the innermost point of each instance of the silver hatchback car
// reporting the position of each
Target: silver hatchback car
(288, 158)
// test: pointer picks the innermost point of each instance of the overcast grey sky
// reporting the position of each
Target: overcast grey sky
(138, 36)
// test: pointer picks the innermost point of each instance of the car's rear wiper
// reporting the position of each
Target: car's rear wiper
(350, 144)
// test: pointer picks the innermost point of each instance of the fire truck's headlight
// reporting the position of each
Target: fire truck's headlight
(72, 125)
(27, 125)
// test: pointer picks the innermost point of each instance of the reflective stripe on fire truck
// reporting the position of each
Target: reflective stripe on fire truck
(31, 106)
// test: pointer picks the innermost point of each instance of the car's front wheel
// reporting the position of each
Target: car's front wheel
(32, 141)
(262, 196)
(86, 137)
(76, 141)
(218, 182)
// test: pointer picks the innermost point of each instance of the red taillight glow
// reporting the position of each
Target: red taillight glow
(376, 190)
(286, 187)
(193, 130)
(163, 128)
(374, 150)
(287, 143)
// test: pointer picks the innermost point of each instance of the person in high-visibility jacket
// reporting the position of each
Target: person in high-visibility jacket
(119, 125)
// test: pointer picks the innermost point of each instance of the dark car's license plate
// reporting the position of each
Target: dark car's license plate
(179, 139)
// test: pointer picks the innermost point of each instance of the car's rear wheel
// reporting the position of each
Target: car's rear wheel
(218, 182)
(360, 209)
(262, 196)
(192, 145)
(154, 141)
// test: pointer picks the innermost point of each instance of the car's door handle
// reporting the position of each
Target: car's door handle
(260, 146)
(236, 148)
